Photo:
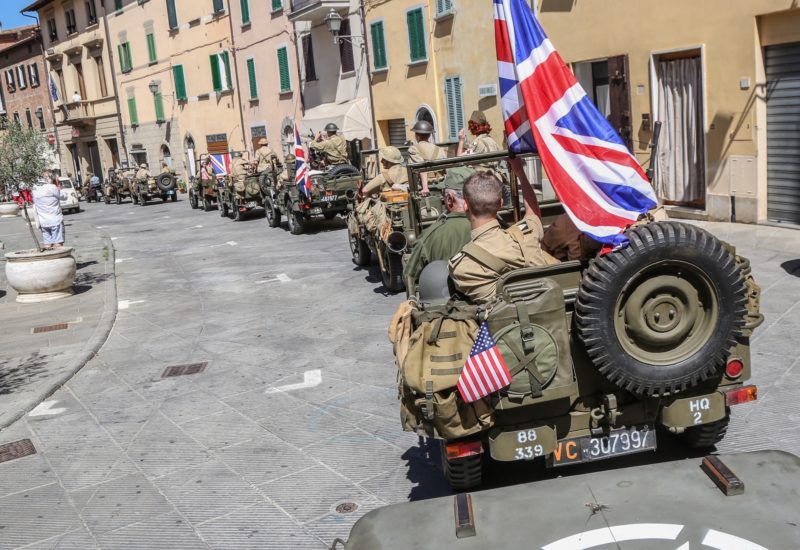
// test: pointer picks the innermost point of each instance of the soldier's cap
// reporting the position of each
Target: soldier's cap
(143, 165)
(391, 154)
(457, 177)
(477, 117)
(262, 141)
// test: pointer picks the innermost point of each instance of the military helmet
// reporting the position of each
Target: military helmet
(422, 127)
(331, 127)
(143, 166)
(434, 283)
(236, 154)
(262, 141)
(290, 158)
(478, 117)
(391, 154)
(456, 177)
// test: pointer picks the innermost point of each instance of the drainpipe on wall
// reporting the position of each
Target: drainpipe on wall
(369, 77)
(114, 84)
(236, 76)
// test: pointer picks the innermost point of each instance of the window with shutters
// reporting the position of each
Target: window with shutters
(118, 5)
(283, 70)
(416, 36)
(346, 49)
(72, 25)
(152, 56)
(10, 82)
(33, 74)
(91, 13)
(379, 62)
(22, 79)
(277, 5)
(29, 118)
(180, 83)
(125, 60)
(40, 117)
(221, 72)
(455, 105)
(132, 114)
(172, 15)
(52, 30)
(245, 12)
(158, 103)
(251, 78)
(444, 7)
(16, 119)
(218, 5)
(308, 58)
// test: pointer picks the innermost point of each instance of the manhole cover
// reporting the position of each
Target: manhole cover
(16, 449)
(184, 370)
(50, 328)
(346, 508)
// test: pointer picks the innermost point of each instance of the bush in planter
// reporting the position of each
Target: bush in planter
(181, 186)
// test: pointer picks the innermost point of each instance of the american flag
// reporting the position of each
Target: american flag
(221, 164)
(301, 178)
(599, 182)
(485, 371)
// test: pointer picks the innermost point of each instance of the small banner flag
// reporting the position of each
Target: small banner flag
(301, 177)
(485, 371)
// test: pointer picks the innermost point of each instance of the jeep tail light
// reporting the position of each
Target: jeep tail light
(462, 449)
(741, 395)
(734, 368)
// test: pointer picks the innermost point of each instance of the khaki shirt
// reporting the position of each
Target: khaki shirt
(239, 168)
(334, 148)
(264, 158)
(143, 174)
(425, 151)
(484, 143)
(396, 175)
(445, 238)
(478, 281)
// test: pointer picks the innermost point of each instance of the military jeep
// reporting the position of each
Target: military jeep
(236, 202)
(163, 186)
(652, 334)
(117, 186)
(331, 193)
(203, 195)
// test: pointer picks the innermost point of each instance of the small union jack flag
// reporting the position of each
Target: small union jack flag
(599, 182)
(221, 164)
(301, 177)
(485, 370)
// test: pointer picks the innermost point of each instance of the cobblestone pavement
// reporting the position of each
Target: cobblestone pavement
(295, 412)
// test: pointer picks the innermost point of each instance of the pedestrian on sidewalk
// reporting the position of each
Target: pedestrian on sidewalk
(47, 203)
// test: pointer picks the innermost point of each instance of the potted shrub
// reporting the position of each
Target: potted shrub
(37, 275)
(181, 186)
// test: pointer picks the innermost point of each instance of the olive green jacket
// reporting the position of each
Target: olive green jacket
(441, 241)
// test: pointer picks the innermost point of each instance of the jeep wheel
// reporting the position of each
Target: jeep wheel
(296, 220)
(174, 197)
(660, 315)
(342, 171)
(707, 435)
(193, 202)
(393, 275)
(119, 198)
(236, 214)
(329, 215)
(142, 200)
(206, 204)
(359, 249)
(107, 199)
(462, 473)
(273, 214)
(223, 207)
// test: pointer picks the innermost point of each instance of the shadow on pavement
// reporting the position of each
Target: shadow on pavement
(792, 267)
(13, 375)
(83, 265)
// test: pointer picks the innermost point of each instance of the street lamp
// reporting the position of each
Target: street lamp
(334, 23)
(153, 86)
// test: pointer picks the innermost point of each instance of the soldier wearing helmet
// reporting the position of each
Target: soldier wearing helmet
(393, 175)
(424, 151)
(143, 174)
(332, 147)
(265, 157)
(286, 177)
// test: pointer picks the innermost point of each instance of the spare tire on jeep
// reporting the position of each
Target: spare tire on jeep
(661, 314)
(165, 182)
(342, 171)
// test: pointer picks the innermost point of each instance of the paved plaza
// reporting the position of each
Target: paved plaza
(290, 430)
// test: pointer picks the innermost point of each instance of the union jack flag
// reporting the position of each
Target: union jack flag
(221, 164)
(597, 179)
(485, 370)
(301, 177)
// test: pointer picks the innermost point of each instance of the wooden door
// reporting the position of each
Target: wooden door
(620, 98)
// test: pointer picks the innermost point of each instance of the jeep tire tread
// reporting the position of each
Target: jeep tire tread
(707, 435)
(462, 473)
(661, 314)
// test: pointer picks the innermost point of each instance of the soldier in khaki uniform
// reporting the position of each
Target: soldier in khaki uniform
(449, 233)
(564, 241)
(393, 174)
(265, 156)
(333, 147)
(480, 128)
(238, 171)
(143, 174)
(493, 251)
(286, 177)
(424, 151)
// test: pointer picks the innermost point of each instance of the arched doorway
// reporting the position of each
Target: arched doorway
(166, 156)
(189, 147)
(425, 113)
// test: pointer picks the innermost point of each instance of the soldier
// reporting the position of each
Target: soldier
(265, 156)
(206, 175)
(480, 128)
(493, 251)
(564, 241)
(424, 151)
(393, 175)
(286, 177)
(143, 174)
(333, 148)
(449, 233)
(238, 171)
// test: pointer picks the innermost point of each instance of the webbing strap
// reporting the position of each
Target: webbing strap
(516, 233)
(485, 258)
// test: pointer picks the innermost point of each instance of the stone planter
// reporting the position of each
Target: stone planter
(41, 276)
(9, 210)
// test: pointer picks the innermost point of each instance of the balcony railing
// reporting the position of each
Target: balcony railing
(79, 112)
(315, 10)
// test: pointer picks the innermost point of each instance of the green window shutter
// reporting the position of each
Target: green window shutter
(416, 35)
(378, 46)
(245, 12)
(118, 5)
(227, 66)
(219, 5)
(158, 102)
(277, 5)
(283, 70)
(172, 14)
(128, 59)
(215, 74)
(180, 82)
(455, 108)
(151, 48)
(134, 116)
(251, 76)
(121, 54)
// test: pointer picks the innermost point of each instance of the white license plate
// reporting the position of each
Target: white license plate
(616, 443)
(329, 198)
(316, 211)
(252, 204)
